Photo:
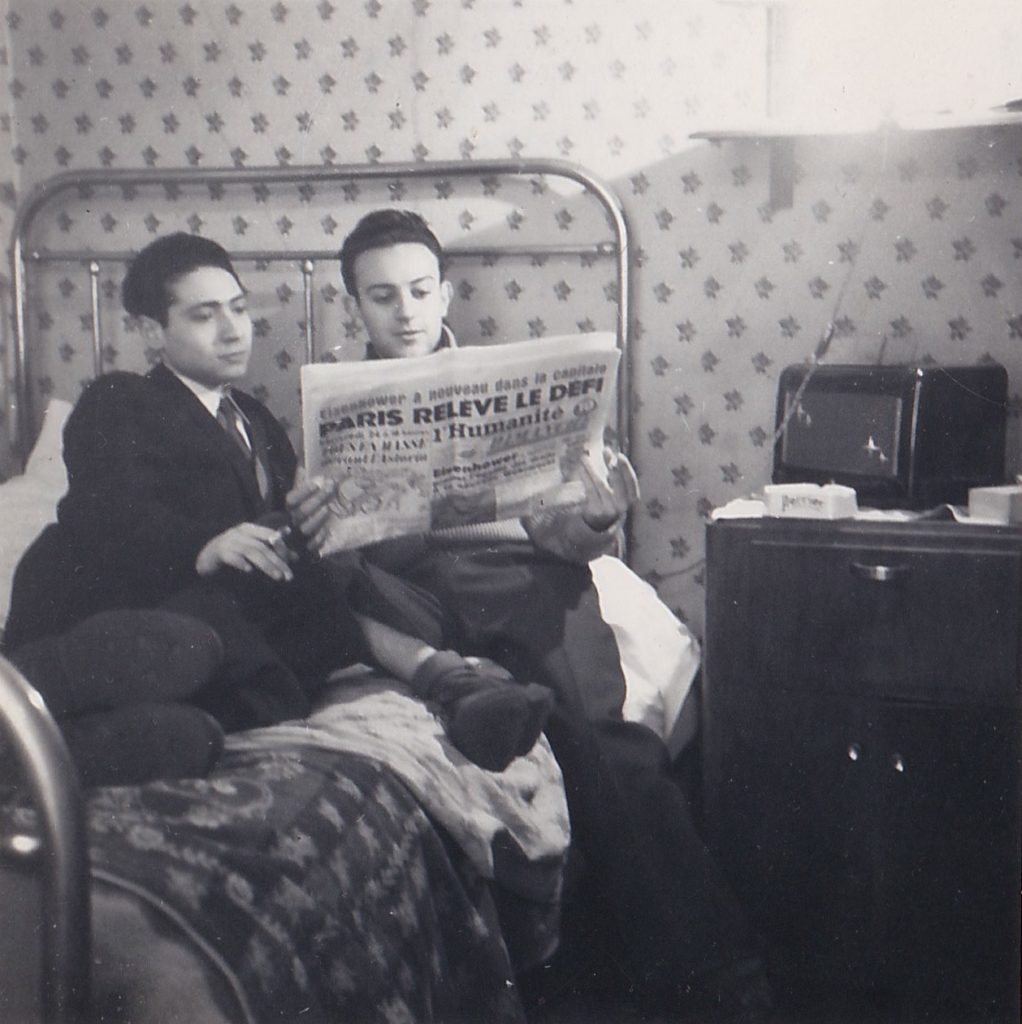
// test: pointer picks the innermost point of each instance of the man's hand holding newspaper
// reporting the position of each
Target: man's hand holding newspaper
(582, 534)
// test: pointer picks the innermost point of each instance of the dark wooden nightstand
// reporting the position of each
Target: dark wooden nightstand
(861, 739)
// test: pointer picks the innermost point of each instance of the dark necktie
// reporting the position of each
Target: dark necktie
(231, 418)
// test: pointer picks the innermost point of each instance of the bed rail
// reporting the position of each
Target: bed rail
(22, 254)
(57, 854)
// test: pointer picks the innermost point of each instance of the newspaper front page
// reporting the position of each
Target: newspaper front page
(462, 436)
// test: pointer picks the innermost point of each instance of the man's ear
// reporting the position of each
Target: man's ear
(152, 331)
(351, 306)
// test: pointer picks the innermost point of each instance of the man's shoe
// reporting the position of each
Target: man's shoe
(121, 656)
(489, 718)
(132, 745)
(493, 727)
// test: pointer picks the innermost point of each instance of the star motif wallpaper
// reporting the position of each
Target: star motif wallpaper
(908, 242)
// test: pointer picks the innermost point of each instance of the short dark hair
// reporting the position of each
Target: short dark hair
(145, 290)
(381, 229)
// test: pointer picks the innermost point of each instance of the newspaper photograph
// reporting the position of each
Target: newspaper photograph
(463, 436)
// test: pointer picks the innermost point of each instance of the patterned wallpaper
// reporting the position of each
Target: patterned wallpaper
(908, 241)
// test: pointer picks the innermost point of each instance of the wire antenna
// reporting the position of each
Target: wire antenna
(812, 362)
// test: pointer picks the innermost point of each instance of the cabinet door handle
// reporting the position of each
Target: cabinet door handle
(878, 573)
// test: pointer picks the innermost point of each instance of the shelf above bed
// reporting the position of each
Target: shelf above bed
(782, 135)
(777, 128)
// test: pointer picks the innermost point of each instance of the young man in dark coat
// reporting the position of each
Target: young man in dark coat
(522, 594)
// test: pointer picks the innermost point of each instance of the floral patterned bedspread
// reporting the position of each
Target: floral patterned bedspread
(513, 825)
(323, 886)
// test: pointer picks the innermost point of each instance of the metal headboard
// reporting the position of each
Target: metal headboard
(22, 413)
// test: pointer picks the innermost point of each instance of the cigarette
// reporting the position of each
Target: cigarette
(284, 534)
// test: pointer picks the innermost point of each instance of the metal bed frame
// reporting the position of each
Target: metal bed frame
(56, 854)
(23, 256)
(59, 852)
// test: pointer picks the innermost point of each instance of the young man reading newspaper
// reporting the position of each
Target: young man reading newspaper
(183, 497)
(521, 593)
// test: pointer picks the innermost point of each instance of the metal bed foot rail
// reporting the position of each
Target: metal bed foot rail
(56, 853)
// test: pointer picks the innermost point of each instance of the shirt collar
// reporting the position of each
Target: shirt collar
(210, 397)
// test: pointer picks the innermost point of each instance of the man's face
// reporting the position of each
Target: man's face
(402, 299)
(208, 336)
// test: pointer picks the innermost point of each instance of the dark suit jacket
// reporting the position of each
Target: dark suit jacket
(152, 478)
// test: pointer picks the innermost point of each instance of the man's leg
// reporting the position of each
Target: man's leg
(669, 910)
(385, 594)
(282, 640)
(139, 743)
(118, 657)
(487, 716)
(254, 686)
(671, 918)
(118, 683)
(537, 615)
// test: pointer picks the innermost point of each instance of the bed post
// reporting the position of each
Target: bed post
(58, 854)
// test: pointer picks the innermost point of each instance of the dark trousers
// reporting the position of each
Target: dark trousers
(281, 640)
(668, 912)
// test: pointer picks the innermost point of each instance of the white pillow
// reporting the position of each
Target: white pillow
(28, 502)
(659, 656)
(46, 462)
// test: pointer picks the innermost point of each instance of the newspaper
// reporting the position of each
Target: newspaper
(462, 436)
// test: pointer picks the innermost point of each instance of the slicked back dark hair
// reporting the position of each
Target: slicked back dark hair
(146, 287)
(381, 229)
